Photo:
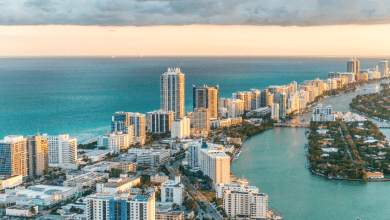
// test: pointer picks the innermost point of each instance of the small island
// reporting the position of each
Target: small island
(375, 105)
(348, 150)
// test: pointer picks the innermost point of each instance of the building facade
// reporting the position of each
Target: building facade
(38, 155)
(207, 98)
(62, 151)
(160, 121)
(181, 128)
(172, 191)
(13, 156)
(172, 92)
(201, 119)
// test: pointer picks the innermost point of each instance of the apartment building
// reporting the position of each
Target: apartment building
(13, 156)
(172, 92)
(172, 191)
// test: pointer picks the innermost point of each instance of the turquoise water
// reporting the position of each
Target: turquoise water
(77, 96)
(275, 162)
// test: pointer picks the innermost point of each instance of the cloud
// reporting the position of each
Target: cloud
(185, 12)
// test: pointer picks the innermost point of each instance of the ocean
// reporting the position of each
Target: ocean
(78, 95)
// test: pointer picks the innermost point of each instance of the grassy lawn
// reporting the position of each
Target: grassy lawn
(209, 194)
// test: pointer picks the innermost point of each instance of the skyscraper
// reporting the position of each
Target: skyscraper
(282, 105)
(383, 69)
(38, 155)
(13, 156)
(172, 94)
(121, 120)
(207, 98)
(353, 66)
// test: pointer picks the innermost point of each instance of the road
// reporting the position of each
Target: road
(346, 143)
(210, 211)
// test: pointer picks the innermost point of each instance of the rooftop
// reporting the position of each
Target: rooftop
(42, 191)
(120, 183)
(20, 207)
(87, 177)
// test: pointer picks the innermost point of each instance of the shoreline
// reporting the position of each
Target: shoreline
(91, 140)
(311, 171)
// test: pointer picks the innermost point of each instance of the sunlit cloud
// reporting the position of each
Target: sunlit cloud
(178, 12)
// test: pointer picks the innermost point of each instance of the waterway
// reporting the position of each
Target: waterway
(275, 162)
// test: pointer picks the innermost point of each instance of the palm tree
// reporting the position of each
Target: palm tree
(32, 210)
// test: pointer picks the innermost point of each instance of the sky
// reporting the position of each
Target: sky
(194, 28)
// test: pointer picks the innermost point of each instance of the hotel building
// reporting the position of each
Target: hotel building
(172, 93)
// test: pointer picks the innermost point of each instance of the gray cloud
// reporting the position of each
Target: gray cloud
(183, 12)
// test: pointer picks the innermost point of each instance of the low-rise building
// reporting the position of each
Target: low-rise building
(159, 178)
(154, 158)
(375, 175)
(173, 215)
(88, 179)
(95, 155)
(101, 167)
(11, 182)
(44, 195)
(118, 185)
(21, 210)
(260, 112)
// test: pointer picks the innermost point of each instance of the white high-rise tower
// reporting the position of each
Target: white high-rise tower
(383, 68)
(172, 96)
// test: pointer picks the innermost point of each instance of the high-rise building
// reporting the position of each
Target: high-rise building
(283, 105)
(207, 98)
(172, 97)
(122, 120)
(275, 111)
(172, 191)
(38, 155)
(323, 114)
(215, 163)
(181, 128)
(62, 151)
(201, 119)
(353, 66)
(293, 102)
(251, 205)
(159, 121)
(236, 108)
(246, 98)
(255, 99)
(116, 141)
(383, 69)
(119, 121)
(264, 98)
(13, 156)
(334, 75)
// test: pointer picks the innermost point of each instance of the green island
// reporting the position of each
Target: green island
(348, 150)
(376, 105)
